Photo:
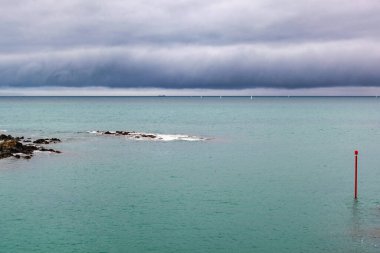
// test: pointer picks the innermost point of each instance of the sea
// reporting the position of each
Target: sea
(267, 174)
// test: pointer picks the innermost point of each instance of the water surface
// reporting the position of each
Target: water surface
(277, 176)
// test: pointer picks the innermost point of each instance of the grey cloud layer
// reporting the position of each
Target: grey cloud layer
(189, 44)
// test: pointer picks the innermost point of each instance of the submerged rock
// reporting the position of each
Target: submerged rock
(47, 141)
(40, 141)
(148, 136)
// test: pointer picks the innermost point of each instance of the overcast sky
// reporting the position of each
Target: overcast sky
(238, 44)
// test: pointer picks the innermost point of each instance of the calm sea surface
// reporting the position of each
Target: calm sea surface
(277, 176)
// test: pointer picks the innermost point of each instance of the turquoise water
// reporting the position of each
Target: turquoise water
(277, 176)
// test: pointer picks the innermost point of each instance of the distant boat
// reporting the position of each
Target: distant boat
(162, 95)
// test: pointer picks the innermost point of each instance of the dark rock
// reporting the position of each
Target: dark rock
(5, 155)
(131, 134)
(148, 136)
(47, 141)
(4, 137)
(41, 141)
(11, 146)
(29, 149)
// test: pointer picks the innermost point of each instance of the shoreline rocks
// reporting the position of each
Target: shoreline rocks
(13, 147)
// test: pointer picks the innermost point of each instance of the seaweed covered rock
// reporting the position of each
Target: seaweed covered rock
(4, 137)
(11, 146)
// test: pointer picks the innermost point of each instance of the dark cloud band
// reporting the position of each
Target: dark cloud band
(189, 44)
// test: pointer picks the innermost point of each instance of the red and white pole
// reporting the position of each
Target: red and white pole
(356, 174)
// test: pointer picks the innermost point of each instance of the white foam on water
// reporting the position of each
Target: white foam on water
(42, 152)
(178, 137)
(164, 137)
(159, 137)
(3, 130)
(92, 132)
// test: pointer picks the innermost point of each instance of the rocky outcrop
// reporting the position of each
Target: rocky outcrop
(46, 141)
(13, 147)
(130, 134)
(150, 136)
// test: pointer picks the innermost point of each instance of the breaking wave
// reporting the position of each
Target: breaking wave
(150, 136)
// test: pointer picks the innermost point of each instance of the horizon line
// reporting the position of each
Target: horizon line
(101, 91)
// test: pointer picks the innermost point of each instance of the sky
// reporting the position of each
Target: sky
(240, 45)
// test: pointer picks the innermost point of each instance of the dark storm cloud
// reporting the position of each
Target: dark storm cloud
(189, 44)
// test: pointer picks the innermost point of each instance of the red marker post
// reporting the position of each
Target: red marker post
(356, 174)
